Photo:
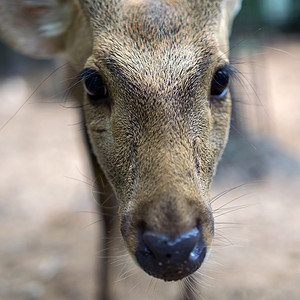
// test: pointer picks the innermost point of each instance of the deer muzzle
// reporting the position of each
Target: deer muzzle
(170, 258)
(169, 239)
(168, 225)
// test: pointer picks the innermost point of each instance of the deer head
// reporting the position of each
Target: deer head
(156, 105)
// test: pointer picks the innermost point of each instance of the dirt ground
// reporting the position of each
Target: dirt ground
(49, 226)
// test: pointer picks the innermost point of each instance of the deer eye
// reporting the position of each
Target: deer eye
(94, 85)
(220, 83)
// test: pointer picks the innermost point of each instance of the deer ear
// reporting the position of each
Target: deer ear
(229, 11)
(38, 28)
(232, 8)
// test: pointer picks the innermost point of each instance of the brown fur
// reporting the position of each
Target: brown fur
(159, 142)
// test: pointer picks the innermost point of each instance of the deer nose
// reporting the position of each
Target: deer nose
(170, 258)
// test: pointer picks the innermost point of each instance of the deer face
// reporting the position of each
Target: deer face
(157, 110)
(156, 105)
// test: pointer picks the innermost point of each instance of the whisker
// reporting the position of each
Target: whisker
(79, 180)
(222, 238)
(220, 195)
(30, 96)
(233, 209)
(127, 274)
(223, 207)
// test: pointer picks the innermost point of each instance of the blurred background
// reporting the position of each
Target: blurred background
(48, 217)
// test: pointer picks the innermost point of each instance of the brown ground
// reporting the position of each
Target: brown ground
(48, 231)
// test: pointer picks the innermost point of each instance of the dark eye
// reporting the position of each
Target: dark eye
(94, 85)
(220, 83)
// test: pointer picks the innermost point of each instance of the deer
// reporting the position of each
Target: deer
(153, 80)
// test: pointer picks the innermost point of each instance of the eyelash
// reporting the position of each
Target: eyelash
(94, 85)
(221, 80)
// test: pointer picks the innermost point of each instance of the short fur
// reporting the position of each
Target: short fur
(157, 145)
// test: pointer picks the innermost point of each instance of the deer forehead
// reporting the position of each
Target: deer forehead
(167, 66)
(152, 19)
(149, 42)
(146, 36)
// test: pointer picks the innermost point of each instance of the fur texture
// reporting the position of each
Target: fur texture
(159, 133)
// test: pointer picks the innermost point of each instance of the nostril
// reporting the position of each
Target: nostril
(170, 258)
(163, 246)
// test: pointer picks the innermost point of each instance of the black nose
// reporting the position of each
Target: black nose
(170, 258)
